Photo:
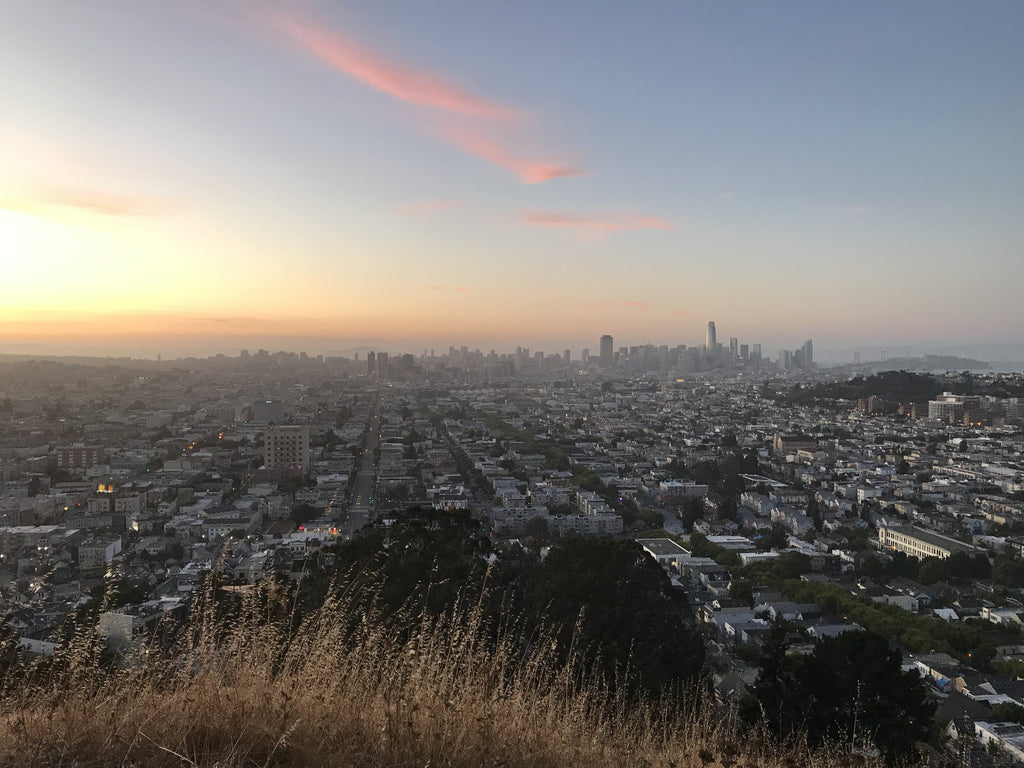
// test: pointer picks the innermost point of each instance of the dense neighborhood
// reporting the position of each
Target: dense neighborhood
(785, 502)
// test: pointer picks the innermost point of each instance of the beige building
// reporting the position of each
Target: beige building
(918, 542)
(286, 449)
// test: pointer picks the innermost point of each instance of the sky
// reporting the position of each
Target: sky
(183, 177)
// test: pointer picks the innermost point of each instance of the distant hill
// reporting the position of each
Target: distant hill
(901, 387)
(926, 363)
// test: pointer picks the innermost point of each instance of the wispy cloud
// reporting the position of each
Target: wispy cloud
(424, 207)
(682, 313)
(90, 201)
(399, 80)
(594, 226)
(474, 141)
(477, 125)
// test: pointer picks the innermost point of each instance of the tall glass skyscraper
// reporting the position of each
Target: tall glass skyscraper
(606, 351)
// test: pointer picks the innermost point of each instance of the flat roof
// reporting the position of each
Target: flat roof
(662, 547)
(935, 539)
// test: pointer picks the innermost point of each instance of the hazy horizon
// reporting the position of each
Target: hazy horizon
(996, 354)
(186, 176)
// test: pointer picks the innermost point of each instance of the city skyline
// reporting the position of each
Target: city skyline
(182, 178)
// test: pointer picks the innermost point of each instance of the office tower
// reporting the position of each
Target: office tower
(585, 356)
(566, 356)
(711, 339)
(371, 363)
(382, 365)
(744, 352)
(734, 346)
(808, 350)
(286, 449)
(606, 350)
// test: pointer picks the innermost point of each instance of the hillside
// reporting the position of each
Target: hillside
(347, 689)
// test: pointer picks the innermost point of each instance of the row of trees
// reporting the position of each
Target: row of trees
(973, 640)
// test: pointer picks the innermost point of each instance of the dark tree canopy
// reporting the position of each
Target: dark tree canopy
(851, 688)
(424, 559)
(612, 605)
(603, 603)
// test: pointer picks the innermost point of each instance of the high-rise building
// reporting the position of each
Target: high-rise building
(585, 356)
(734, 347)
(565, 356)
(383, 368)
(808, 356)
(607, 349)
(286, 450)
(371, 363)
(711, 339)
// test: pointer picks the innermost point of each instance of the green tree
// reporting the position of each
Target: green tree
(851, 688)
(814, 512)
(741, 590)
(1008, 571)
(1008, 712)
(691, 511)
(613, 608)
(423, 562)
(537, 528)
(776, 538)
(302, 513)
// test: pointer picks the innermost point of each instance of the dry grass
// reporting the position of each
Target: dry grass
(331, 696)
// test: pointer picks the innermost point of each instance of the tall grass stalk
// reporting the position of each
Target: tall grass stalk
(350, 688)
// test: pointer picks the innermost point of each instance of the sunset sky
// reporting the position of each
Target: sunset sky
(182, 176)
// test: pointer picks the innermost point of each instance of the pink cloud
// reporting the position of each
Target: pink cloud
(96, 201)
(530, 171)
(428, 206)
(682, 313)
(595, 225)
(403, 82)
(464, 109)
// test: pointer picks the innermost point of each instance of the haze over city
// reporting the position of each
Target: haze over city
(189, 178)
